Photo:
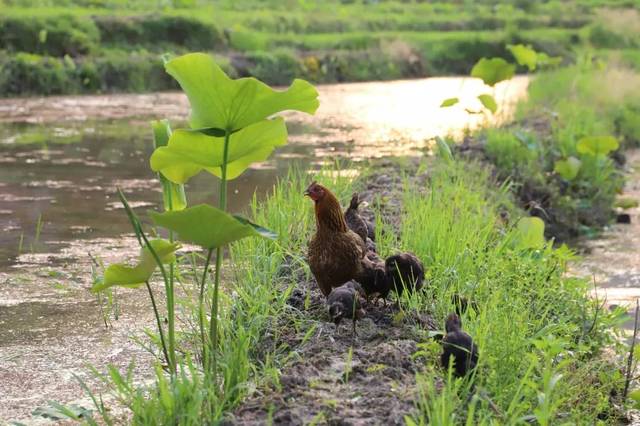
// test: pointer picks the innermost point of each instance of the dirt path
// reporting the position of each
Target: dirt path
(613, 259)
(334, 378)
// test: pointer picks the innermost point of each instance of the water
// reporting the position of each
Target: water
(62, 160)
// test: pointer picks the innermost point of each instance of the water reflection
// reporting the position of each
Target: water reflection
(64, 157)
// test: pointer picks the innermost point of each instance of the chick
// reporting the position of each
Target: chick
(458, 345)
(355, 222)
(461, 304)
(373, 277)
(344, 302)
(404, 271)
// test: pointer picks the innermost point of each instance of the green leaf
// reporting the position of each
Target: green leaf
(635, 397)
(443, 149)
(208, 226)
(493, 70)
(524, 55)
(190, 151)
(545, 60)
(626, 203)
(529, 233)
(173, 195)
(568, 168)
(488, 102)
(449, 102)
(220, 102)
(597, 145)
(124, 275)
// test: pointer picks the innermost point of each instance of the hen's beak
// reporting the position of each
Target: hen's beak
(306, 193)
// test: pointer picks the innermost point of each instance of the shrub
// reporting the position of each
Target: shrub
(53, 35)
(26, 73)
(279, 67)
(151, 30)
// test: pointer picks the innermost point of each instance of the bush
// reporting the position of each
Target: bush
(151, 30)
(54, 35)
(26, 73)
(279, 67)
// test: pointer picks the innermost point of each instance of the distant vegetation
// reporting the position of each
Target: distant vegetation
(93, 46)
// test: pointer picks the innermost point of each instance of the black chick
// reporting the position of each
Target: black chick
(373, 277)
(459, 345)
(404, 271)
(355, 222)
(461, 304)
(344, 302)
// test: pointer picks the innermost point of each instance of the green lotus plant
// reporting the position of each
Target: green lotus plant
(494, 70)
(231, 127)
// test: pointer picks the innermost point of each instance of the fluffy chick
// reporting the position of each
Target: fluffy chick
(404, 271)
(458, 345)
(344, 302)
(355, 222)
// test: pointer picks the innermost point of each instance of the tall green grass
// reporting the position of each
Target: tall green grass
(537, 330)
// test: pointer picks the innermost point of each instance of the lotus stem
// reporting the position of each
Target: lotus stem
(222, 205)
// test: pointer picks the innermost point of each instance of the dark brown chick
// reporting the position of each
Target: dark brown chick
(404, 271)
(373, 278)
(459, 346)
(461, 304)
(355, 222)
(335, 252)
(344, 303)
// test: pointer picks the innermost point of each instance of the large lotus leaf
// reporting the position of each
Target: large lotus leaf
(493, 70)
(530, 233)
(488, 102)
(218, 101)
(568, 168)
(525, 55)
(597, 145)
(208, 226)
(191, 151)
(133, 276)
(173, 195)
(449, 102)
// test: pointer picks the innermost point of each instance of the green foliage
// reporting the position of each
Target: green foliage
(54, 35)
(449, 102)
(222, 103)
(568, 168)
(148, 30)
(597, 145)
(529, 233)
(524, 55)
(538, 361)
(173, 195)
(488, 102)
(191, 151)
(134, 276)
(208, 227)
(493, 71)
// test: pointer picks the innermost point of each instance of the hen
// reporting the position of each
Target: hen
(335, 252)
(458, 345)
(343, 303)
(404, 271)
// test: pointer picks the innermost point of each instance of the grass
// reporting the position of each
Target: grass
(534, 324)
(111, 46)
(590, 99)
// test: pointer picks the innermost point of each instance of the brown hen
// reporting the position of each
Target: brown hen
(335, 251)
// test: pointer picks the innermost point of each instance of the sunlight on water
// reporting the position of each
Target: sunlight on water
(64, 157)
